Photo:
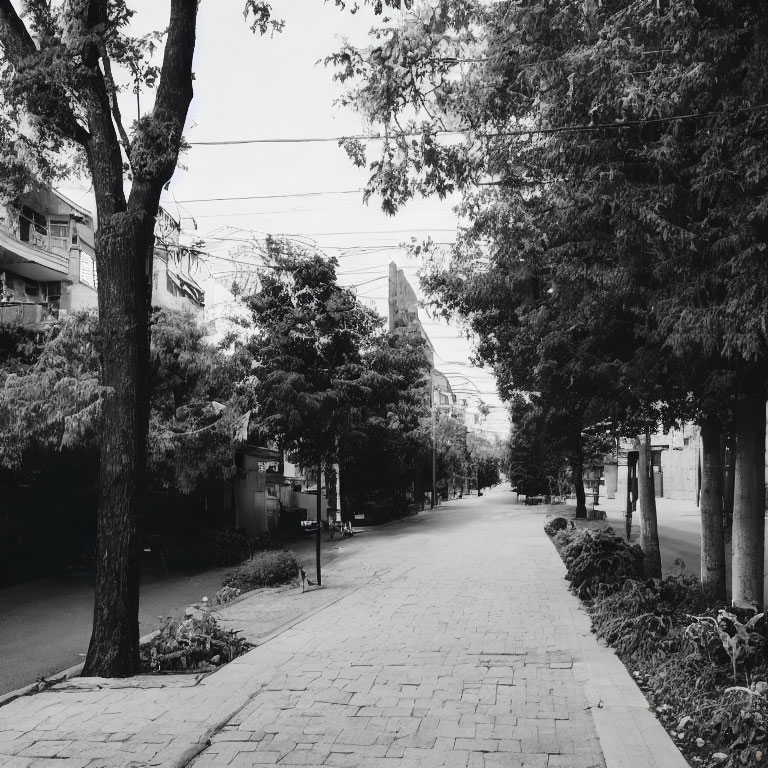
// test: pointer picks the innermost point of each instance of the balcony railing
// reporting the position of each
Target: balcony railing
(57, 245)
(28, 315)
(36, 243)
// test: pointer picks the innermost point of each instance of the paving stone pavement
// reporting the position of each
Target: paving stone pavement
(446, 640)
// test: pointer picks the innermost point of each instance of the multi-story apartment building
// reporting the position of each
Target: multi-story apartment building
(176, 268)
(48, 267)
(46, 259)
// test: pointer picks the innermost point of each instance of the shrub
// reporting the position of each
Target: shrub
(686, 663)
(645, 620)
(598, 561)
(264, 569)
(226, 595)
(555, 525)
(743, 641)
(196, 643)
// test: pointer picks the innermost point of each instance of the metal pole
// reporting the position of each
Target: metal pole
(434, 461)
(319, 521)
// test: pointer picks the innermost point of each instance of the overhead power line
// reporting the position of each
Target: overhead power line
(274, 213)
(488, 135)
(366, 232)
(269, 197)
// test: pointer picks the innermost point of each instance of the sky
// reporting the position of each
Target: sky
(253, 87)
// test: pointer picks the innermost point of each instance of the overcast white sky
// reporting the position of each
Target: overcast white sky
(250, 87)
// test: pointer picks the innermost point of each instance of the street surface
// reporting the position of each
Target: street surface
(46, 624)
(446, 639)
(679, 523)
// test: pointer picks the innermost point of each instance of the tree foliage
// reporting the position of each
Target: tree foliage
(612, 160)
(311, 332)
(384, 446)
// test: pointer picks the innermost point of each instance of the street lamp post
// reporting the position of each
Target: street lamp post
(434, 459)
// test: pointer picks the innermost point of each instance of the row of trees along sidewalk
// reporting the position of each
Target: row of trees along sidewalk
(62, 64)
(612, 164)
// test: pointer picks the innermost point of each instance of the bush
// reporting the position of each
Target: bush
(686, 663)
(264, 569)
(645, 621)
(226, 595)
(555, 525)
(196, 643)
(598, 562)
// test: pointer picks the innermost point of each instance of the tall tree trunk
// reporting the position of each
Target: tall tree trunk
(649, 531)
(123, 300)
(124, 243)
(747, 542)
(712, 539)
(577, 476)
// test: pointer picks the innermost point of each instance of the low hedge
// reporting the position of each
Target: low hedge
(264, 569)
(703, 667)
(597, 561)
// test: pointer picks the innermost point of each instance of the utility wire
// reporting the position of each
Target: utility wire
(498, 134)
(273, 213)
(270, 197)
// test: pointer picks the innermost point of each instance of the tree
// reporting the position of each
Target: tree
(59, 73)
(625, 158)
(311, 333)
(537, 459)
(385, 444)
(51, 418)
(60, 96)
(485, 459)
(199, 395)
(451, 448)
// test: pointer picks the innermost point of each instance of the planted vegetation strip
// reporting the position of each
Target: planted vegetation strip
(265, 569)
(702, 666)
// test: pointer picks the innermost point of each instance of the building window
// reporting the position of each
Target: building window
(30, 223)
(59, 229)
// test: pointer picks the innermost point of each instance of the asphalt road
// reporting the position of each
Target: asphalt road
(45, 625)
(679, 534)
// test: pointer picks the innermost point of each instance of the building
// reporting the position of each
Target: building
(47, 265)
(176, 268)
(675, 458)
(267, 488)
(404, 319)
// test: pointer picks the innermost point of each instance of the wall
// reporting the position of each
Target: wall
(255, 510)
(679, 461)
(680, 470)
(308, 501)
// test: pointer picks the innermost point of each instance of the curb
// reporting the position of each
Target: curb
(56, 677)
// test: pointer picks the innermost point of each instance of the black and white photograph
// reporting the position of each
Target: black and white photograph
(383, 383)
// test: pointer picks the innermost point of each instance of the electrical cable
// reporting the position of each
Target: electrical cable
(271, 197)
(497, 134)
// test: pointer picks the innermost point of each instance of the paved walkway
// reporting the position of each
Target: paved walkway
(447, 640)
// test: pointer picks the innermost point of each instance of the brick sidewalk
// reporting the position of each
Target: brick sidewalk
(449, 639)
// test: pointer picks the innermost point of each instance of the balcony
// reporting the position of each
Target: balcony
(34, 247)
(35, 316)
